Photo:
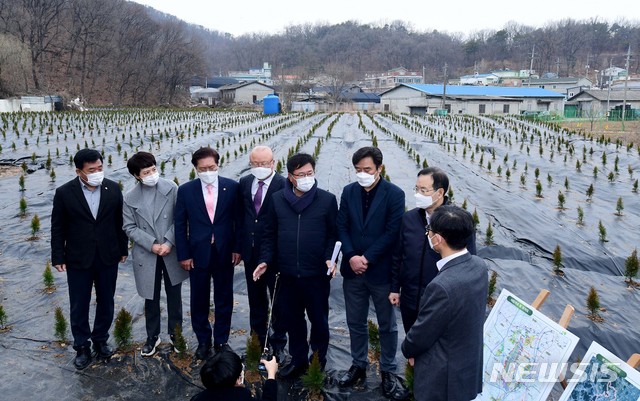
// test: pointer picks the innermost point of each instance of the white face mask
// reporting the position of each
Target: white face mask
(151, 179)
(430, 243)
(304, 184)
(261, 173)
(365, 180)
(95, 179)
(208, 177)
(423, 201)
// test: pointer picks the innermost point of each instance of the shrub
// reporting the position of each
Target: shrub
(602, 232)
(492, 286)
(23, 207)
(561, 200)
(252, 358)
(122, 328)
(409, 379)
(313, 380)
(488, 240)
(593, 303)
(60, 326)
(179, 343)
(374, 339)
(557, 260)
(3, 318)
(619, 206)
(580, 216)
(631, 266)
(35, 226)
(47, 277)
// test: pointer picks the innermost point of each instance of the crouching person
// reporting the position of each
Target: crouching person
(223, 378)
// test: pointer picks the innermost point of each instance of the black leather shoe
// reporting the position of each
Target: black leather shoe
(393, 387)
(222, 347)
(291, 371)
(102, 350)
(353, 375)
(202, 352)
(83, 358)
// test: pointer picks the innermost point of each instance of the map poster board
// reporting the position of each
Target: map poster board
(524, 352)
(602, 376)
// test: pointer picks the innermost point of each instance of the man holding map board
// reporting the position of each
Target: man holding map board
(445, 343)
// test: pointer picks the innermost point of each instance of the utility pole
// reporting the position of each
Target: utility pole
(424, 78)
(626, 81)
(444, 87)
(558, 67)
(609, 88)
(533, 52)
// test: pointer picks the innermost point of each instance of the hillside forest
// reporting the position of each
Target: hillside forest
(116, 52)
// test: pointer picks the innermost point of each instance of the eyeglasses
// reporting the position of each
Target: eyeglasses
(261, 164)
(302, 175)
(423, 191)
(427, 229)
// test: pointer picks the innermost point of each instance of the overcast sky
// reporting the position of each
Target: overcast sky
(465, 16)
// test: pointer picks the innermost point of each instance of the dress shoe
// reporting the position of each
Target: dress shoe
(292, 372)
(83, 358)
(353, 375)
(202, 352)
(102, 350)
(222, 347)
(393, 387)
(149, 348)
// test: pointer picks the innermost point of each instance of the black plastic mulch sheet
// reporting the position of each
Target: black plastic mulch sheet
(526, 231)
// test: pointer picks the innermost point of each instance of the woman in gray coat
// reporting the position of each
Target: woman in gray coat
(148, 222)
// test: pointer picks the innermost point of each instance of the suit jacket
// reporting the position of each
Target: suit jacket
(447, 338)
(194, 229)
(147, 225)
(253, 225)
(76, 237)
(374, 237)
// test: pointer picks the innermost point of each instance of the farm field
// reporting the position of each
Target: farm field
(528, 182)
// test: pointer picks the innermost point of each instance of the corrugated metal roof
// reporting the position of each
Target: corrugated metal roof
(613, 96)
(466, 90)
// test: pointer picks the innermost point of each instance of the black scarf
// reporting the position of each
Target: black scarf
(298, 204)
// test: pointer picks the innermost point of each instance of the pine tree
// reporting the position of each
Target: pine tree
(538, 189)
(60, 326)
(3, 318)
(252, 358)
(409, 380)
(631, 266)
(23, 207)
(314, 379)
(122, 328)
(619, 206)
(602, 232)
(35, 226)
(635, 186)
(476, 218)
(561, 200)
(374, 339)
(179, 343)
(47, 277)
(492, 286)
(488, 240)
(557, 260)
(593, 303)
(580, 216)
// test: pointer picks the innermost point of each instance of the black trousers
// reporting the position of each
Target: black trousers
(310, 295)
(81, 282)
(220, 269)
(409, 317)
(259, 293)
(174, 302)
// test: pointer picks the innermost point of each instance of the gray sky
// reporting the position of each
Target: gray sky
(464, 16)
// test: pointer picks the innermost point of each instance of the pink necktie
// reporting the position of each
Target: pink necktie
(209, 201)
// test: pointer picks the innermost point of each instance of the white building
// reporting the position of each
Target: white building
(262, 75)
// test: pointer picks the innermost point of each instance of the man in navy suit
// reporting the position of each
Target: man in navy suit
(369, 220)
(445, 343)
(207, 244)
(87, 242)
(256, 190)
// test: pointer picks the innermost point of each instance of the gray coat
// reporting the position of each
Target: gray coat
(146, 225)
(446, 340)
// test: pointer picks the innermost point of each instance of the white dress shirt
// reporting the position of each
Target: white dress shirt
(440, 264)
(265, 187)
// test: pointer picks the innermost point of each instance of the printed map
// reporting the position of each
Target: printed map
(524, 351)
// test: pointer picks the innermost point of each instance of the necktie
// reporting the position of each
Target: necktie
(209, 202)
(257, 200)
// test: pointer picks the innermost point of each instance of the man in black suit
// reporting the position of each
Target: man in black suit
(87, 241)
(445, 343)
(256, 190)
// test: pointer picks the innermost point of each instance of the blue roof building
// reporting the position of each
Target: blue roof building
(474, 100)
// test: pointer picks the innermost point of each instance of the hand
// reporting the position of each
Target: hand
(259, 271)
(236, 258)
(123, 259)
(271, 366)
(61, 268)
(411, 361)
(155, 248)
(332, 268)
(394, 298)
(187, 264)
(164, 250)
(358, 264)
